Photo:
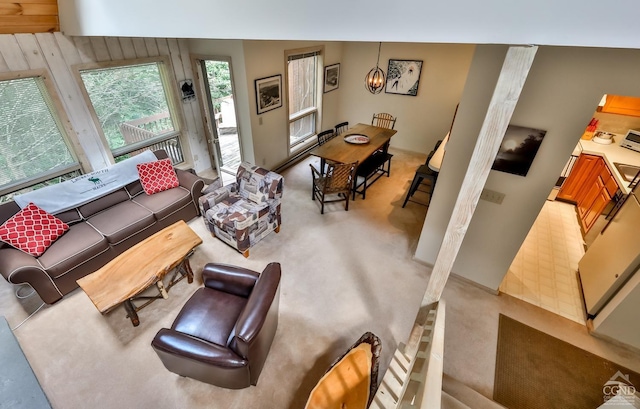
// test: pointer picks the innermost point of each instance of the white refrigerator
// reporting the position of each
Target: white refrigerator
(612, 258)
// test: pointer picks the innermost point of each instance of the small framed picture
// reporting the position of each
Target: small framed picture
(186, 88)
(268, 93)
(518, 149)
(403, 77)
(331, 77)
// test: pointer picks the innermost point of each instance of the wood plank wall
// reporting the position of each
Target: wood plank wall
(28, 16)
(57, 54)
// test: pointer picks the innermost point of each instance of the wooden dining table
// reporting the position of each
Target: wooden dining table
(338, 150)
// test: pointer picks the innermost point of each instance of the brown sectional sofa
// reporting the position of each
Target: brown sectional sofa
(99, 231)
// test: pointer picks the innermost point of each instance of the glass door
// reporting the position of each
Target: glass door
(221, 114)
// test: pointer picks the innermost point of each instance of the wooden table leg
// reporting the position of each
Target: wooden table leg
(163, 291)
(131, 313)
(187, 269)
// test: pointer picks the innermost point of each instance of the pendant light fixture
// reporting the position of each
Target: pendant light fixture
(375, 79)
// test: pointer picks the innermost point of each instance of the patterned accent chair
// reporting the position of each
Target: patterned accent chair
(244, 212)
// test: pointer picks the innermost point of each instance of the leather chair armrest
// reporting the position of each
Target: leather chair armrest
(191, 182)
(230, 279)
(176, 343)
(262, 302)
(18, 267)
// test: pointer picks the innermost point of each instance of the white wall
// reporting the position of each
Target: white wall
(422, 119)
(267, 58)
(567, 22)
(563, 88)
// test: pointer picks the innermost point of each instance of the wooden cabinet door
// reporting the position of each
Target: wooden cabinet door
(585, 203)
(581, 178)
(618, 104)
(598, 205)
(596, 199)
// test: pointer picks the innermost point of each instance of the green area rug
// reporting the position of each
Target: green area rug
(536, 370)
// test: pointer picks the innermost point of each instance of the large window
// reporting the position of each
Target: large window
(134, 108)
(34, 150)
(303, 72)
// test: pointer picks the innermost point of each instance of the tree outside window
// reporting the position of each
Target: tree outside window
(34, 149)
(133, 108)
(302, 77)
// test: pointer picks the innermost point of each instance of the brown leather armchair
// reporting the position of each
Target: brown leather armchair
(224, 332)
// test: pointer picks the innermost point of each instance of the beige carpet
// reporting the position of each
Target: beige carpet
(344, 273)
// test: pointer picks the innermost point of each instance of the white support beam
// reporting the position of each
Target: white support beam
(512, 77)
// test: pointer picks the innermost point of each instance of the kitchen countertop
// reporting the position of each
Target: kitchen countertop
(612, 153)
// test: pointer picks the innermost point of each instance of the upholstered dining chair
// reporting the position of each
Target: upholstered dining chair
(341, 128)
(223, 333)
(383, 120)
(334, 185)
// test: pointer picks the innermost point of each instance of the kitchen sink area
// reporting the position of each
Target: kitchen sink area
(628, 172)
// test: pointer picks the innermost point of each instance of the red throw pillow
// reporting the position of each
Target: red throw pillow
(157, 176)
(32, 230)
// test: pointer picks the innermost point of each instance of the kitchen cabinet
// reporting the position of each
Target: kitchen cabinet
(618, 104)
(590, 186)
(581, 174)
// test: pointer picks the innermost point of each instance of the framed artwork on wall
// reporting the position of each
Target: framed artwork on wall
(403, 77)
(518, 149)
(188, 93)
(268, 93)
(331, 77)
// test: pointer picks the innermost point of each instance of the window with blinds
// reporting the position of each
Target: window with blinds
(134, 109)
(303, 71)
(34, 149)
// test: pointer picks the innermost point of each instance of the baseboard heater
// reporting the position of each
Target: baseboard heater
(295, 158)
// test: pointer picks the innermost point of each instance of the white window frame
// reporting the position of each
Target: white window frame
(167, 77)
(317, 109)
(64, 126)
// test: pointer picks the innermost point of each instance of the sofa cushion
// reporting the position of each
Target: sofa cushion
(122, 221)
(236, 212)
(70, 216)
(134, 188)
(98, 205)
(157, 176)
(78, 245)
(165, 203)
(32, 230)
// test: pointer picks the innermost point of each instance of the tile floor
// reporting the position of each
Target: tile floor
(544, 272)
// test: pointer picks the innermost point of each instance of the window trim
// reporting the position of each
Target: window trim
(68, 134)
(170, 85)
(319, 50)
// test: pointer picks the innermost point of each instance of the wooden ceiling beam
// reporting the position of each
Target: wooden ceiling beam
(28, 16)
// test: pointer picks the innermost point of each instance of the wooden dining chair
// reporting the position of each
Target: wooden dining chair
(336, 183)
(383, 120)
(423, 174)
(325, 136)
(341, 128)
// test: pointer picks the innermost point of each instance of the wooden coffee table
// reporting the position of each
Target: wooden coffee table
(123, 279)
